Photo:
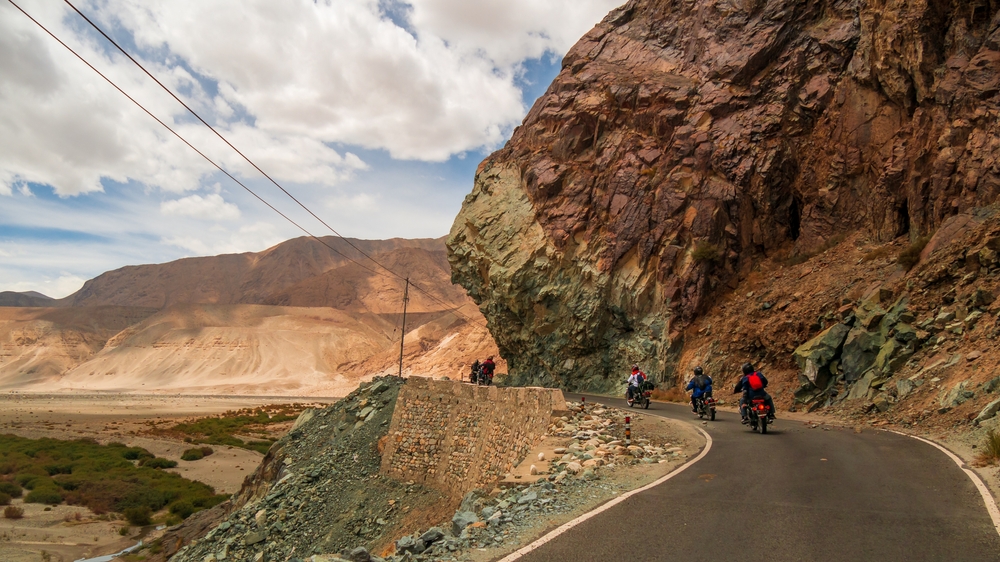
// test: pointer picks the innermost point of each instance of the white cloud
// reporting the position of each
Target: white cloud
(509, 31)
(210, 207)
(301, 87)
(250, 238)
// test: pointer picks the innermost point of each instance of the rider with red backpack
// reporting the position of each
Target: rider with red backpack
(752, 385)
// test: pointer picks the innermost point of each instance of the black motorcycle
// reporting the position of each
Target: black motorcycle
(759, 414)
(483, 378)
(639, 396)
(705, 407)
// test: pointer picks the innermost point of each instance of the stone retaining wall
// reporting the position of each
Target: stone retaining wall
(455, 436)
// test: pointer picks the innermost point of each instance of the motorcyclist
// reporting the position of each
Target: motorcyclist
(635, 380)
(488, 367)
(474, 375)
(746, 386)
(700, 386)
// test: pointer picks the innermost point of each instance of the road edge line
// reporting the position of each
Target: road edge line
(991, 504)
(537, 543)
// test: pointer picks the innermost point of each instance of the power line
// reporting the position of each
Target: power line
(182, 139)
(255, 166)
(224, 139)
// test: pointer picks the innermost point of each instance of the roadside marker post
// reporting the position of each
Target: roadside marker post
(628, 431)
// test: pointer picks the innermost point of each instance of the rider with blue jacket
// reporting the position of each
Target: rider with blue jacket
(701, 386)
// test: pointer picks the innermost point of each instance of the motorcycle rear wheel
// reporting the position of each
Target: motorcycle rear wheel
(763, 426)
(712, 415)
(645, 403)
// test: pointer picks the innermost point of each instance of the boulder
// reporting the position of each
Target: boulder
(991, 385)
(957, 396)
(983, 298)
(860, 388)
(881, 403)
(406, 544)
(904, 333)
(904, 387)
(433, 535)
(254, 538)
(461, 520)
(360, 554)
(891, 356)
(870, 318)
(989, 411)
(814, 356)
(859, 352)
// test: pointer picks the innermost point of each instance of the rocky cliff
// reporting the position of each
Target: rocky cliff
(683, 142)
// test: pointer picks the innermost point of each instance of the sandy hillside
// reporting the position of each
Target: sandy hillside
(296, 319)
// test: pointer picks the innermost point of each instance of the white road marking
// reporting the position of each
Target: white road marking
(991, 504)
(569, 525)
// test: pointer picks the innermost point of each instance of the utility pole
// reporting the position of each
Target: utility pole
(402, 335)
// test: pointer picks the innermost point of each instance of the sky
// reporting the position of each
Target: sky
(374, 113)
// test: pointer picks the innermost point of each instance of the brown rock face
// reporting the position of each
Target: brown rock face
(682, 141)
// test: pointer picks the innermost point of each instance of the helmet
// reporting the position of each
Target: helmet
(490, 358)
(698, 370)
(747, 368)
(635, 367)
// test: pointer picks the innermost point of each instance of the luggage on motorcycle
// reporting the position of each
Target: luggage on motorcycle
(755, 382)
(646, 386)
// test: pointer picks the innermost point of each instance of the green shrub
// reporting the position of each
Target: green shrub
(95, 476)
(11, 489)
(706, 252)
(45, 495)
(206, 450)
(139, 516)
(910, 255)
(182, 508)
(136, 453)
(4, 499)
(27, 480)
(192, 455)
(158, 462)
(12, 512)
(124, 530)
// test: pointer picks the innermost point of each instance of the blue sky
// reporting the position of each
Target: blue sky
(374, 115)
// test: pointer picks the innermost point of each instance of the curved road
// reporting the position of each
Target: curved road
(795, 494)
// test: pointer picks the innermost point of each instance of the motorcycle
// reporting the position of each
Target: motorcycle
(705, 407)
(640, 396)
(483, 378)
(759, 414)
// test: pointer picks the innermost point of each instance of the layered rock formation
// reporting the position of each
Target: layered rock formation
(684, 141)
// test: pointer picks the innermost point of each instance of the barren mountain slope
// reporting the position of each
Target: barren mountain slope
(685, 142)
(37, 345)
(325, 324)
(248, 278)
(352, 287)
(28, 298)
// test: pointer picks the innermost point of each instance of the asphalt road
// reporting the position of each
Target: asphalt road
(795, 494)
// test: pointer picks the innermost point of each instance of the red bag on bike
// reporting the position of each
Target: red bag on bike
(755, 382)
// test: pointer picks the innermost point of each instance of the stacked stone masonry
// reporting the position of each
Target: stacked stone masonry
(456, 437)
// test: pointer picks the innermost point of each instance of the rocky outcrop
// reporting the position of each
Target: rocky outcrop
(684, 141)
